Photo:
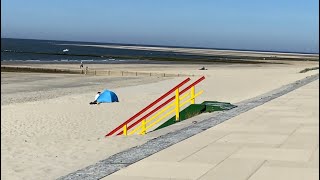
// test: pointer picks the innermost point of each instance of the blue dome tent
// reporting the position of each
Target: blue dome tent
(107, 96)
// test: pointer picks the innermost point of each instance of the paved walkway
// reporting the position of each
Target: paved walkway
(278, 140)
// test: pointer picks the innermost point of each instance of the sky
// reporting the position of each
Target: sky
(271, 25)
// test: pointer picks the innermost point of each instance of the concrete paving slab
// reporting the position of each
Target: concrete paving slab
(283, 121)
(253, 138)
(212, 154)
(281, 114)
(176, 170)
(309, 129)
(276, 163)
(254, 145)
(296, 155)
(258, 128)
(231, 169)
(282, 173)
(315, 157)
(185, 148)
(301, 141)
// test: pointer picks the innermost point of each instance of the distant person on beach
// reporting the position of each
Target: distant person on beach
(86, 70)
(95, 98)
(203, 68)
(81, 65)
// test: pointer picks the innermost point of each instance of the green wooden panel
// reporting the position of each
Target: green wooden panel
(217, 106)
(195, 109)
(188, 112)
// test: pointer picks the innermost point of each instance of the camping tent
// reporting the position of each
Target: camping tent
(107, 96)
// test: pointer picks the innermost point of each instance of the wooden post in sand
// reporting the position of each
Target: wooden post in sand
(192, 94)
(177, 102)
(143, 125)
(125, 128)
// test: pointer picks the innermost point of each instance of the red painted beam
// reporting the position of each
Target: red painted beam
(148, 107)
(193, 84)
(147, 115)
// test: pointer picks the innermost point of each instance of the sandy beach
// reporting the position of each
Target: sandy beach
(48, 128)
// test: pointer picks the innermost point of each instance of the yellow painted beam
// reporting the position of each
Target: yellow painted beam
(177, 105)
(125, 130)
(144, 130)
(192, 95)
(159, 119)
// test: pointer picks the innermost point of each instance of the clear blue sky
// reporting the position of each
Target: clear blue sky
(278, 25)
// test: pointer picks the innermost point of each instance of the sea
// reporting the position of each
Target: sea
(49, 51)
(52, 51)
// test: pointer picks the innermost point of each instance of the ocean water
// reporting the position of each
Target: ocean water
(27, 50)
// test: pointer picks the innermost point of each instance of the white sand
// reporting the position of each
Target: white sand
(56, 135)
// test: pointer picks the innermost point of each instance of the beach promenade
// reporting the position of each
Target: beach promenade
(278, 140)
